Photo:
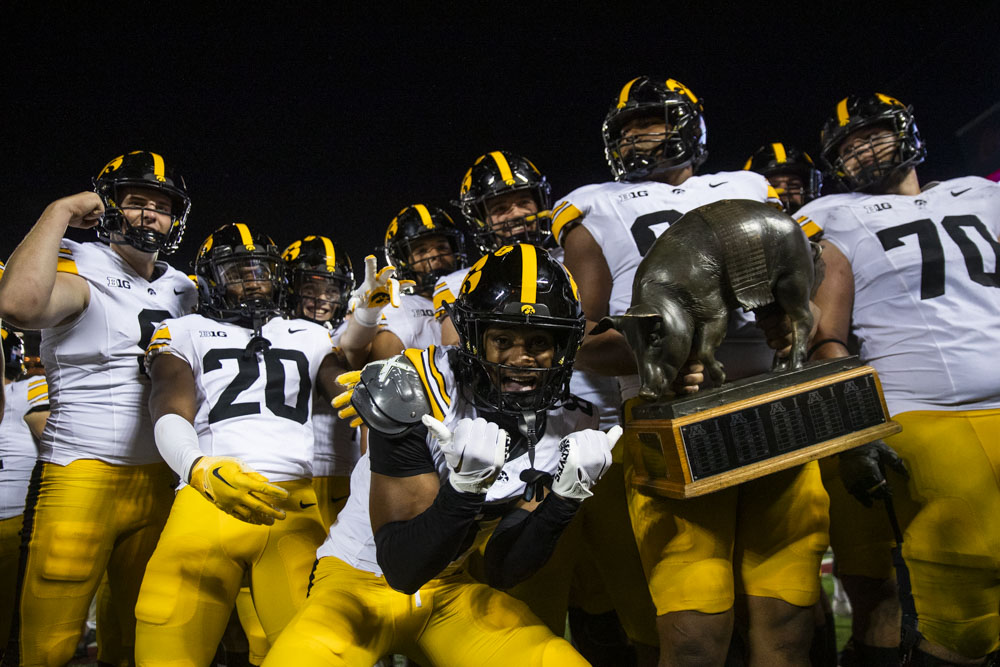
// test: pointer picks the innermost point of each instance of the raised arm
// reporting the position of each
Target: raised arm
(33, 295)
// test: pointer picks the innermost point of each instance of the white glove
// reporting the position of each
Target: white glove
(475, 451)
(378, 290)
(584, 457)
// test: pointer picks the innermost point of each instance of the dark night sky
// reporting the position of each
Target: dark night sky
(304, 118)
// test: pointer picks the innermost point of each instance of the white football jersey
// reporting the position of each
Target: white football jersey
(625, 219)
(337, 443)
(351, 538)
(18, 449)
(98, 388)
(927, 289)
(256, 408)
(413, 321)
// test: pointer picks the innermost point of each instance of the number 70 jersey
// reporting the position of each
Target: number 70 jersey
(927, 289)
(255, 407)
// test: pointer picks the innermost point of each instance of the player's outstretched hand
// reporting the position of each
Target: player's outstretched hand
(237, 489)
(862, 470)
(378, 290)
(584, 457)
(475, 451)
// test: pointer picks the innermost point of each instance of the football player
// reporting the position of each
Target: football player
(763, 540)
(508, 200)
(26, 407)
(320, 281)
(790, 171)
(422, 244)
(231, 403)
(912, 273)
(100, 492)
(493, 432)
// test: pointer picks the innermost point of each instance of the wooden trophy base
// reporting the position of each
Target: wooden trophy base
(756, 426)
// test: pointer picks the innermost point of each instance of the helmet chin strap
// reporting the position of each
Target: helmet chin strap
(535, 480)
(257, 342)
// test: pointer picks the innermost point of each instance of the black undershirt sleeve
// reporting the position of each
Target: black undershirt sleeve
(404, 455)
(413, 552)
(523, 541)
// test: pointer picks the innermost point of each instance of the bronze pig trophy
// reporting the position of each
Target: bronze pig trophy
(718, 257)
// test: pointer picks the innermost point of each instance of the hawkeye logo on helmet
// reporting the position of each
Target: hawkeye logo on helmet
(528, 309)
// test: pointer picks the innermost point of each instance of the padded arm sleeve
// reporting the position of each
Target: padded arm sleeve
(524, 541)
(413, 552)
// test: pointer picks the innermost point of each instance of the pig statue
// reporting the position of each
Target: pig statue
(727, 254)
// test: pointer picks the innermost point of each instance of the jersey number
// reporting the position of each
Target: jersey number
(932, 252)
(274, 387)
(149, 318)
(641, 232)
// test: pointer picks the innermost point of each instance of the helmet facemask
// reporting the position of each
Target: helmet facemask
(640, 155)
(242, 288)
(870, 163)
(324, 294)
(399, 253)
(501, 387)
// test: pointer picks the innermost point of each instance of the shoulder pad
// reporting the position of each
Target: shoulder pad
(390, 396)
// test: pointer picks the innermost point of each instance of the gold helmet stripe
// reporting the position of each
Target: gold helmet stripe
(529, 273)
(889, 100)
(245, 236)
(506, 175)
(331, 255)
(623, 96)
(425, 216)
(779, 153)
(467, 181)
(749, 164)
(159, 170)
(842, 115)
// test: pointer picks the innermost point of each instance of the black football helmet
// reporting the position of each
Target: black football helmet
(862, 111)
(777, 159)
(13, 352)
(141, 169)
(240, 276)
(415, 223)
(316, 271)
(517, 285)
(499, 173)
(683, 143)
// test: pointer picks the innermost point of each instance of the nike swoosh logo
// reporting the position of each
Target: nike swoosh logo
(215, 471)
(180, 292)
(960, 192)
(337, 499)
(715, 185)
(290, 330)
(305, 505)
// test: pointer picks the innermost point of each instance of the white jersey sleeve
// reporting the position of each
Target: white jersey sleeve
(98, 387)
(927, 289)
(413, 321)
(18, 449)
(255, 407)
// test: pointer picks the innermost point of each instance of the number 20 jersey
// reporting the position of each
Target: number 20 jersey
(254, 407)
(927, 289)
(98, 389)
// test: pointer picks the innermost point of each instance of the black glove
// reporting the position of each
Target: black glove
(862, 470)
